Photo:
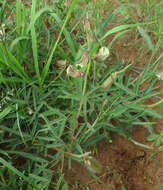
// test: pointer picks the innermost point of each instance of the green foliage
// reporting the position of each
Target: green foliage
(12, 182)
(158, 138)
(145, 11)
(47, 116)
(160, 185)
(123, 188)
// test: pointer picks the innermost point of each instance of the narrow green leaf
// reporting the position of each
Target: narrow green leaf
(160, 185)
(146, 38)
(142, 77)
(5, 112)
(16, 41)
(18, 17)
(35, 16)
(11, 62)
(119, 110)
(60, 180)
(35, 55)
(10, 80)
(27, 155)
(15, 132)
(8, 165)
(140, 144)
(2, 9)
(116, 37)
(123, 188)
(38, 178)
(107, 20)
(119, 28)
(18, 28)
(153, 113)
(66, 34)
(46, 67)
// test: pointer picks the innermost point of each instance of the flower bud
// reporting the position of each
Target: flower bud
(84, 59)
(103, 54)
(160, 75)
(61, 63)
(73, 72)
(30, 111)
(108, 82)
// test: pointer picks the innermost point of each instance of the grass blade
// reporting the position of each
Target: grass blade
(5, 112)
(28, 155)
(10, 61)
(16, 41)
(59, 182)
(46, 67)
(107, 20)
(35, 16)
(117, 36)
(66, 34)
(119, 28)
(35, 55)
(146, 38)
(8, 165)
(18, 17)
(160, 185)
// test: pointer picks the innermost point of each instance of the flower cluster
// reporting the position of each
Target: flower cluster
(102, 55)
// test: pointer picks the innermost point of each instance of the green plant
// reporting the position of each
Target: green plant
(10, 180)
(158, 138)
(160, 185)
(123, 188)
(145, 11)
(47, 117)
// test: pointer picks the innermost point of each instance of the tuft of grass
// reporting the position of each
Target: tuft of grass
(48, 118)
(145, 11)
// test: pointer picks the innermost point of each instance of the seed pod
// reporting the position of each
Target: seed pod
(92, 164)
(61, 63)
(103, 54)
(73, 72)
(108, 82)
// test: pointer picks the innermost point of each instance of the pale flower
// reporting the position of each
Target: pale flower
(73, 72)
(103, 54)
(160, 75)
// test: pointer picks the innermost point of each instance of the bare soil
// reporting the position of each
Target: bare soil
(123, 164)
